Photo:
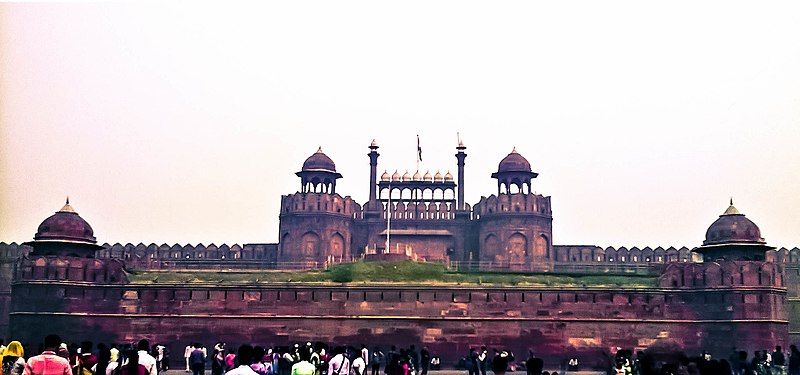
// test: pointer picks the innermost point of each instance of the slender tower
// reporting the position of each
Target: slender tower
(372, 205)
(461, 155)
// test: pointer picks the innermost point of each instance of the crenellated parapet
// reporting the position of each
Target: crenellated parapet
(723, 274)
(59, 268)
(316, 203)
(152, 255)
(521, 203)
(623, 255)
(11, 252)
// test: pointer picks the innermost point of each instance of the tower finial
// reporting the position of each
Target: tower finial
(731, 201)
(67, 199)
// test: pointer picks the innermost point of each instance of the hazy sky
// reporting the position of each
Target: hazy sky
(184, 123)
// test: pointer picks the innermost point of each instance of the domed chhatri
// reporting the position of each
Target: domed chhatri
(318, 174)
(65, 233)
(514, 170)
(733, 237)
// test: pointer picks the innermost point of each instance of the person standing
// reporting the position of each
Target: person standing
(339, 364)
(500, 363)
(145, 359)
(794, 360)
(245, 358)
(132, 365)
(358, 367)
(534, 365)
(48, 363)
(471, 362)
(425, 360)
(364, 353)
(304, 365)
(483, 361)
(218, 359)
(377, 358)
(13, 359)
(186, 353)
(86, 360)
(197, 360)
(778, 361)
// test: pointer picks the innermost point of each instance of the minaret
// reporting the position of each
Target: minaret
(461, 155)
(373, 175)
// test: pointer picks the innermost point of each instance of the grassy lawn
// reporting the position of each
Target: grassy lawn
(405, 272)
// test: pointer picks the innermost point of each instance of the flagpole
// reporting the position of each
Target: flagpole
(419, 153)
(389, 219)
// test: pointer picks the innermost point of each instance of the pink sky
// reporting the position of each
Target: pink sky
(184, 123)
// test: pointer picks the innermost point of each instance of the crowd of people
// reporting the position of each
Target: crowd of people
(763, 362)
(307, 359)
(58, 358)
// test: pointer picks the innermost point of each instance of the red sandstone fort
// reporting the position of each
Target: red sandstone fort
(730, 291)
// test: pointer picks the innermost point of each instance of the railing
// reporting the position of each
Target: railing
(590, 268)
(595, 268)
(224, 265)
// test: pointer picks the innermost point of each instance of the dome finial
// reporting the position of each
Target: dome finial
(732, 210)
(67, 207)
(514, 150)
(319, 150)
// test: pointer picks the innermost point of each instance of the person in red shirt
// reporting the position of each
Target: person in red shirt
(86, 360)
(48, 363)
(133, 367)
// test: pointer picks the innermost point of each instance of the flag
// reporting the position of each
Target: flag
(419, 150)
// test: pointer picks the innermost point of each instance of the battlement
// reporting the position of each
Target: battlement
(106, 271)
(595, 254)
(727, 274)
(513, 203)
(10, 252)
(319, 203)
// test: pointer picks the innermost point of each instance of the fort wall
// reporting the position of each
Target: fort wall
(449, 319)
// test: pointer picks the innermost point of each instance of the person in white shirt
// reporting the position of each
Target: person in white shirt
(359, 367)
(145, 359)
(186, 353)
(364, 353)
(339, 364)
(245, 357)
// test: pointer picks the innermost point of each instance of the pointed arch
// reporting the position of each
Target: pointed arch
(336, 246)
(517, 248)
(491, 246)
(309, 245)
